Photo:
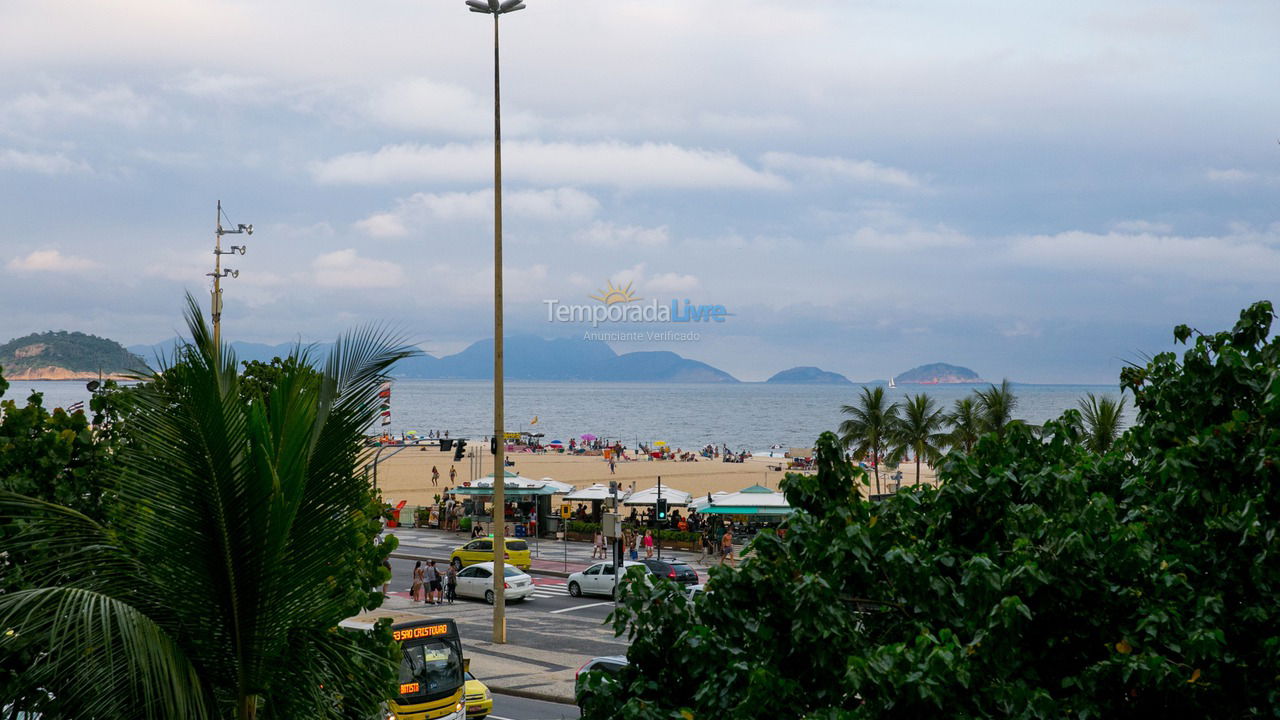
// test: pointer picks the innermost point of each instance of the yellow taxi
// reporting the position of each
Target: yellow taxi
(479, 701)
(481, 550)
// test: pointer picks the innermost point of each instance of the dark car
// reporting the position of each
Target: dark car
(610, 665)
(675, 570)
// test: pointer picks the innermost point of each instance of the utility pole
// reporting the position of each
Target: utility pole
(218, 273)
(496, 9)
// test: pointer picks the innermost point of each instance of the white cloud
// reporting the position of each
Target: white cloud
(607, 234)
(55, 105)
(50, 261)
(346, 269)
(1244, 255)
(421, 104)
(550, 163)
(1142, 226)
(906, 239)
(383, 225)
(671, 283)
(1231, 175)
(422, 208)
(42, 163)
(863, 171)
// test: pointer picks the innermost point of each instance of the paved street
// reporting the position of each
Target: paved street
(549, 636)
(506, 707)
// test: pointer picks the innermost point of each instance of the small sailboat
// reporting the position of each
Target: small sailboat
(891, 384)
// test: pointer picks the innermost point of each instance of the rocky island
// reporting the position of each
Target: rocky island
(808, 375)
(938, 374)
(63, 355)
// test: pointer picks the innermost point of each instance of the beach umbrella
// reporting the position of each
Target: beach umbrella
(650, 496)
(660, 443)
(589, 437)
(556, 442)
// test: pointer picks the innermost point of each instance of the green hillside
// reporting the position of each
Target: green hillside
(73, 351)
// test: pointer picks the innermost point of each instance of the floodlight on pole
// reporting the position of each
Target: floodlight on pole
(218, 273)
(496, 8)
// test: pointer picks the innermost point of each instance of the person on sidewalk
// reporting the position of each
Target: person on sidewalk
(648, 544)
(726, 547)
(597, 549)
(635, 546)
(435, 594)
(451, 583)
(386, 586)
(418, 592)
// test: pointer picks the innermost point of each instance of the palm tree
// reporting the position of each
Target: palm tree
(964, 422)
(868, 428)
(919, 431)
(244, 536)
(995, 408)
(1102, 421)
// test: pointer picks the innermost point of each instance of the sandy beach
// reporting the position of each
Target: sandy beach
(407, 474)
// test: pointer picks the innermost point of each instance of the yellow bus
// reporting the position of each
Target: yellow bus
(432, 684)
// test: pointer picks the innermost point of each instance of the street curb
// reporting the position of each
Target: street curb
(530, 694)
(531, 571)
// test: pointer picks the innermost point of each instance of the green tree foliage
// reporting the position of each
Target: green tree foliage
(869, 429)
(1102, 420)
(1040, 580)
(244, 536)
(996, 405)
(965, 424)
(918, 431)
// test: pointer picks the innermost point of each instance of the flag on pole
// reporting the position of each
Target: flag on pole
(76, 406)
(384, 394)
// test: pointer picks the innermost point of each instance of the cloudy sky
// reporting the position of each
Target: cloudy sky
(1038, 191)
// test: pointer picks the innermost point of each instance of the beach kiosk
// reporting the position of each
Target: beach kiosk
(752, 505)
(532, 498)
(596, 495)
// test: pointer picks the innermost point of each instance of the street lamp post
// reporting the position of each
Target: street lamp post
(496, 8)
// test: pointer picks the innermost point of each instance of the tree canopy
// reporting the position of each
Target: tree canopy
(241, 536)
(1039, 580)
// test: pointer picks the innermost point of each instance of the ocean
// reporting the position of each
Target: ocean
(746, 416)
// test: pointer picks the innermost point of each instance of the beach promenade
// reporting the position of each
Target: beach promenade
(406, 475)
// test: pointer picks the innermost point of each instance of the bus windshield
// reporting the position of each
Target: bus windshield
(430, 668)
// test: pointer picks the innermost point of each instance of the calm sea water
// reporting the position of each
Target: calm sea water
(751, 416)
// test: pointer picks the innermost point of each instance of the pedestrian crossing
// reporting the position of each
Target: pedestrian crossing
(549, 588)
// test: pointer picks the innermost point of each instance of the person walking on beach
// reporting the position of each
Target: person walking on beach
(435, 475)
(451, 583)
(648, 544)
(418, 591)
(612, 471)
(453, 475)
(597, 549)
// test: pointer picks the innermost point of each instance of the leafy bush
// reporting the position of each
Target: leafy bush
(582, 527)
(1040, 580)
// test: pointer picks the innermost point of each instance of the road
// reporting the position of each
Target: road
(506, 707)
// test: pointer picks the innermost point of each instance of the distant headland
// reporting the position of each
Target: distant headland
(62, 355)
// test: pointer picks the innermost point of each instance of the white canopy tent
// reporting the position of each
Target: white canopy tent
(512, 480)
(702, 502)
(594, 492)
(650, 497)
(560, 487)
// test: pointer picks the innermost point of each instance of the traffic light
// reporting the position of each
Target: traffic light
(493, 445)
(458, 447)
(662, 509)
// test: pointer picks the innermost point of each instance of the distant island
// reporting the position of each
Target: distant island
(808, 375)
(938, 374)
(62, 355)
(527, 357)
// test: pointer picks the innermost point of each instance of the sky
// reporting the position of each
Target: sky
(1038, 191)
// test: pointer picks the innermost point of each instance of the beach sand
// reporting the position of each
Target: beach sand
(407, 474)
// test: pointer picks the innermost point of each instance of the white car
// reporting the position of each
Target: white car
(597, 579)
(476, 581)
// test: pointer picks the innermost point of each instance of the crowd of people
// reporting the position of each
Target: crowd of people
(431, 586)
